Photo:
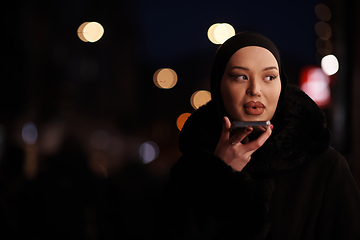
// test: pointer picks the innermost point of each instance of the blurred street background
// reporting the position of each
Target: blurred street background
(88, 134)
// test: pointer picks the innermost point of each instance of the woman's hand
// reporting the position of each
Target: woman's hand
(236, 150)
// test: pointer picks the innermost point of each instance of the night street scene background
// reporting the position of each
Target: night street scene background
(87, 139)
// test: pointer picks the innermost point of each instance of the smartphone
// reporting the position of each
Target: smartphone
(258, 128)
(254, 124)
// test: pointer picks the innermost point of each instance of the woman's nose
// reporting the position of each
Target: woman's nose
(254, 89)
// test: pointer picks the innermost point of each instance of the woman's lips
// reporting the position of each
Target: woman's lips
(254, 108)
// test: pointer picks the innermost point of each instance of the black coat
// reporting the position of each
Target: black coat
(294, 187)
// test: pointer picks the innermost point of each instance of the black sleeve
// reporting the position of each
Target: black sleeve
(208, 198)
(340, 213)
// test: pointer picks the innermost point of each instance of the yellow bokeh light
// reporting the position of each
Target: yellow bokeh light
(323, 12)
(324, 47)
(218, 33)
(81, 30)
(90, 31)
(200, 98)
(323, 30)
(181, 120)
(165, 78)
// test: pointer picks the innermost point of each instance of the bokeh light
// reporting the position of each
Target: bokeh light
(210, 33)
(148, 151)
(165, 78)
(181, 120)
(218, 33)
(80, 32)
(200, 98)
(323, 30)
(29, 133)
(330, 64)
(324, 47)
(323, 12)
(315, 83)
(90, 31)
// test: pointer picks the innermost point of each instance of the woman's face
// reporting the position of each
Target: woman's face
(251, 86)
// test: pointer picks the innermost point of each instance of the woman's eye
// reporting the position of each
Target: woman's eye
(241, 77)
(270, 78)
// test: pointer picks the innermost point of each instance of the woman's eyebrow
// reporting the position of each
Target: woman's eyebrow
(238, 67)
(243, 68)
(270, 68)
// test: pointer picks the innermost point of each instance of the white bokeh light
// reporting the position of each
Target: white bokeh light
(330, 64)
(210, 33)
(148, 151)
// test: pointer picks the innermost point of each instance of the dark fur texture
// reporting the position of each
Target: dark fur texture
(202, 185)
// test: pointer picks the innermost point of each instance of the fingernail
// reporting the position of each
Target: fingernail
(248, 129)
(271, 127)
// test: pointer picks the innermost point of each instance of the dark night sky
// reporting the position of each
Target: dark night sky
(179, 28)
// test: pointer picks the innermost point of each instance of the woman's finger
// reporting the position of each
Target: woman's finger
(246, 140)
(240, 135)
(257, 143)
(225, 132)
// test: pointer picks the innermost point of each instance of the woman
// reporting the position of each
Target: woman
(286, 183)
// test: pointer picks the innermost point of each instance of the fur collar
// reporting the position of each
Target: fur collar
(300, 133)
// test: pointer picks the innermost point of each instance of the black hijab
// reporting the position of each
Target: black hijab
(223, 55)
